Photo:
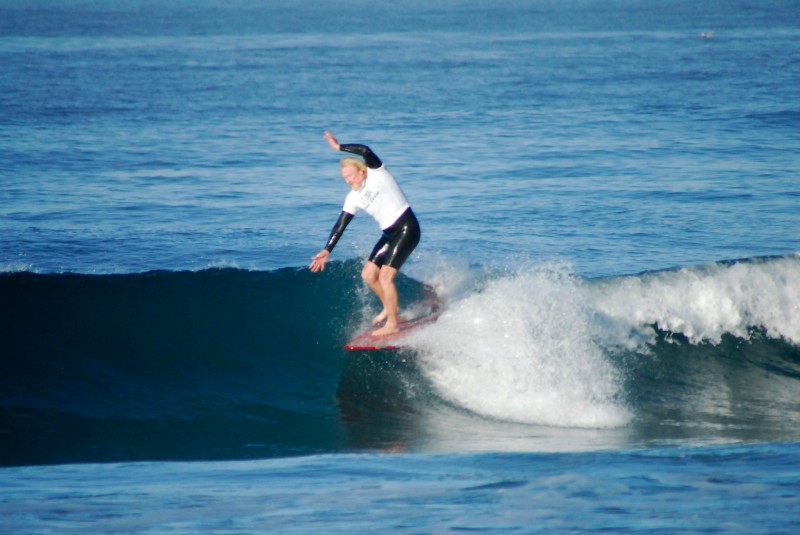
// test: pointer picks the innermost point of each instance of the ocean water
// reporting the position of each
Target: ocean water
(610, 208)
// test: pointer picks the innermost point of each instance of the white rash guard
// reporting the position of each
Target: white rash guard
(380, 196)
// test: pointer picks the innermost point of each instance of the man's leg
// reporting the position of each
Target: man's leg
(388, 297)
(371, 275)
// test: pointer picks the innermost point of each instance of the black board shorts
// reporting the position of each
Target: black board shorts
(397, 241)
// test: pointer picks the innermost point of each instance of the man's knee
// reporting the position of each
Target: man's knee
(370, 273)
(386, 276)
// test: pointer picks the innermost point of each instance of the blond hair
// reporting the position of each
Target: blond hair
(355, 162)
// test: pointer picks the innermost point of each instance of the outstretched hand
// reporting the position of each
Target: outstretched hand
(319, 260)
(332, 140)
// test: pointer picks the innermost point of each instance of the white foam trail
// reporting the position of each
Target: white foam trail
(703, 303)
(521, 350)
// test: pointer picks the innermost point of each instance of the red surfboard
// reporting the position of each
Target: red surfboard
(367, 342)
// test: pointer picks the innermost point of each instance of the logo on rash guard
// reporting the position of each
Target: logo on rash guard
(368, 196)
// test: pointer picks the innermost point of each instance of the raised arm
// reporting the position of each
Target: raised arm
(370, 158)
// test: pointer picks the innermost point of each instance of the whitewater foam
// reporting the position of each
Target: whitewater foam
(703, 303)
(520, 349)
(540, 345)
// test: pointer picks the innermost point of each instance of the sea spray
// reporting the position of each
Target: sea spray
(520, 349)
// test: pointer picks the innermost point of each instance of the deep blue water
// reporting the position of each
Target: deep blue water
(610, 208)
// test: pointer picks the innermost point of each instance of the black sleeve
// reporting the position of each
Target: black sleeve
(338, 230)
(370, 158)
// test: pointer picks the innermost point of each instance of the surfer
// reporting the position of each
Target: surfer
(375, 190)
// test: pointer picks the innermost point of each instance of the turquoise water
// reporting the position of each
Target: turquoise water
(609, 204)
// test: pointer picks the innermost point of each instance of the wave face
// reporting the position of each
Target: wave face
(215, 363)
(226, 363)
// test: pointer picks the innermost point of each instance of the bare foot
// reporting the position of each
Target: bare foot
(386, 329)
(380, 318)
